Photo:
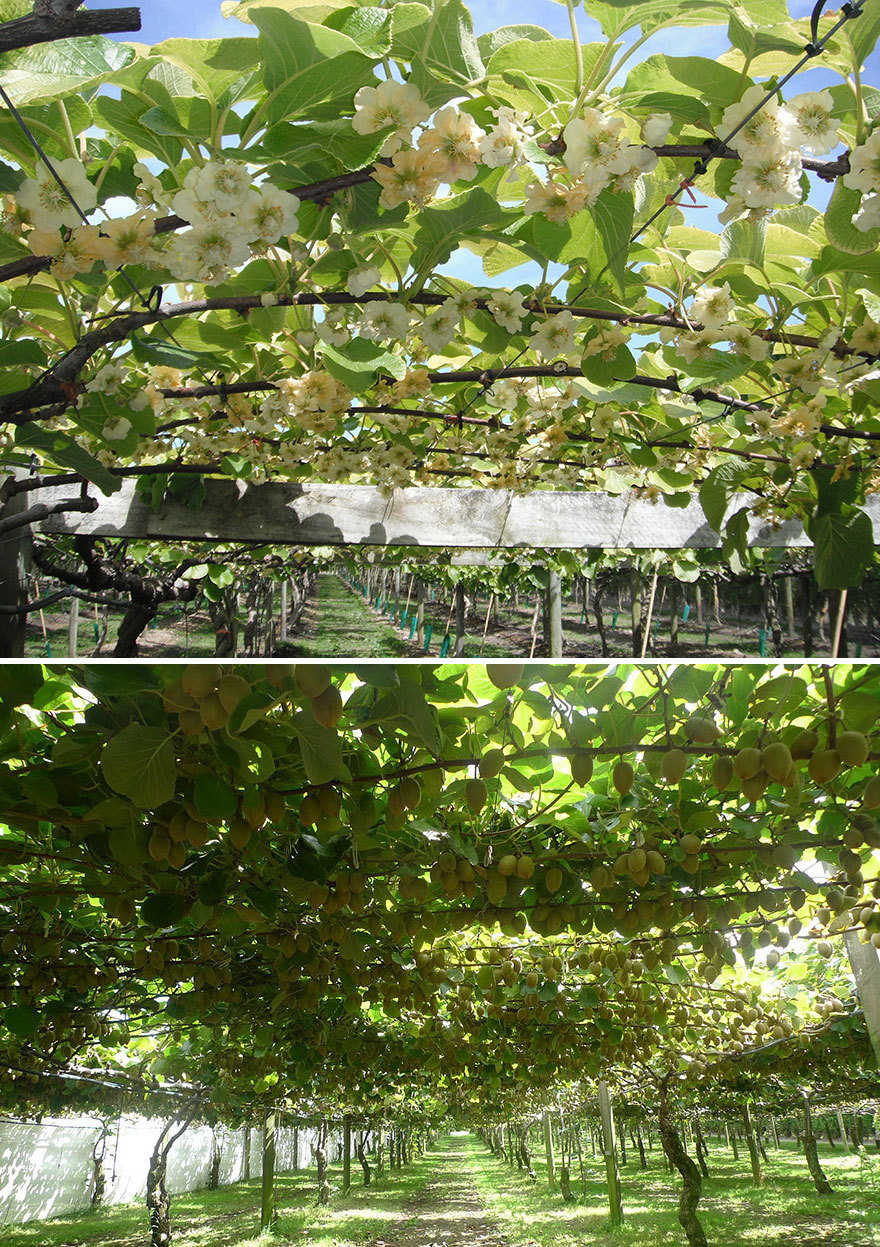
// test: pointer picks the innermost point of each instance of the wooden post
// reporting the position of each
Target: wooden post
(609, 1150)
(865, 964)
(637, 614)
(775, 1133)
(459, 620)
(420, 614)
(284, 592)
(346, 1154)
(267, 1207)
(15, 560)
(554, 615)
(72, 627)
(548, 1147)
(789, 607)
(698, 602)
(842, 1128)
(246, 1163)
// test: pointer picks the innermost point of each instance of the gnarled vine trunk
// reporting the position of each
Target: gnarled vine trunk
(99, 1177)
(158, 1199)
(821, 1183)
(361, 1153)
(692, 1183)
(321, 1160)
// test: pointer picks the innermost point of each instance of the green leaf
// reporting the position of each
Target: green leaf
(842, 234)
(716, 491)
(529, 75)
(450, 51)
(688, 75)
(441, 227)
(162, 909)
(490, 42)
(321, 750)
(360, 362)
(139, 763)
(843, 548)
(22, 1020)
(212, 887)
(65, 67)
(19, 684)
(213, 796)
(613, 214)
(744, 240)
(370, 27)
(61, 449)
(305, 66)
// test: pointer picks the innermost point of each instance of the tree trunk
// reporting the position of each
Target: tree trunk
(554, 616)
(821, 1183)
(643, 1164)
(246, 1164)
(158, 1200)
(700, 1142)
(267, 1204)
(460, 620)
(637, 612)
(214, 1172)
(615, 1203)
(99, 1177)
(752, 1145)
(548, 1149)
(133, 623)
(346, 1154)
(362, 1157)
(692, 1183)
(321, 1159)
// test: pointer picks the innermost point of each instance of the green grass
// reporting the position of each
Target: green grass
(230, 1216)
(346, 627)
(786, 1211)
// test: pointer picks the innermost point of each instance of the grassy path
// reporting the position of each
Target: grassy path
(448, 1211)
(337, 623)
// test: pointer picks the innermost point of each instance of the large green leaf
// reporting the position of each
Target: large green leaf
(530, 75)
(843, 548)
(842, 207)
(62, 450)
(440, 227)
(360, 362)
(716, 491)
(139, 763)
(56, 70)
(306, 65)
(689, 75)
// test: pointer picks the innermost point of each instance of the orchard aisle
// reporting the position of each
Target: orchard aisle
(336, 622)
(448, 1212)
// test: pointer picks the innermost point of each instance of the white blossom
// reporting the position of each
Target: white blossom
(712, 306)
(392, 103)
(503, 145)
(592, 139)
(226, 184)
(813, 127)
(384, 322)
(655, 130)
(107, 380)
(456, 137)
(868, 215)
(116, 430)
(507, 310)
(553, 335)
(362, 279)
(269, 214)
(438, 329)
(46, 204)
(771, 178)
(769, 130)
(864, 165)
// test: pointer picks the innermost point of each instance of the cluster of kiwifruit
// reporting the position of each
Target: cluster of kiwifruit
(206, 696)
